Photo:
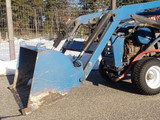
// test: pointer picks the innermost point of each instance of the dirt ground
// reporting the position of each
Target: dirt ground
(95, 100)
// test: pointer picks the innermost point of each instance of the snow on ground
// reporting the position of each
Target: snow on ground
(8, 67)
(4, 47)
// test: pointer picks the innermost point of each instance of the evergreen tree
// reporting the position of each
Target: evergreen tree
(36, 19)
(55, 13)
(128, 2)
(2, 2)
(95, 5)
(21, 12)
(3, 20)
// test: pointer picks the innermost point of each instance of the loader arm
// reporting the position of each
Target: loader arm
(122, 13)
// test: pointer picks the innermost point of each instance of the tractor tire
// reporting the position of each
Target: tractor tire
(106, 74)
(146, 76)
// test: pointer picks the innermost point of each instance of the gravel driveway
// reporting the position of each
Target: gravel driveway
(95, 100)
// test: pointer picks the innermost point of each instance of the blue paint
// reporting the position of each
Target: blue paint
(125, 12)
(118, 44)
(40, 47)
(144, 35)
(100, 47)
(121, 13)
(54, 71)
(84, 19)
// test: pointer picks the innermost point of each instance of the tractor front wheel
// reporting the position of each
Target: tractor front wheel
(108, 74)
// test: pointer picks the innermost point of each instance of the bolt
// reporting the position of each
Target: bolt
(114, 15)
(131, 15)
(90, 63)
(150, 76)
(77, 64)
(81, 80)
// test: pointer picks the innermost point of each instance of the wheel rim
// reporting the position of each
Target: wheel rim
(152, 77)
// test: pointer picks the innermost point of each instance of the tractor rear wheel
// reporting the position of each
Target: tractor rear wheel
(146, 76)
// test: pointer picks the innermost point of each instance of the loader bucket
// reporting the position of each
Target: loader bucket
(43, 76)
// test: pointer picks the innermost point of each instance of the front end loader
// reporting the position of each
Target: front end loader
(127, 38)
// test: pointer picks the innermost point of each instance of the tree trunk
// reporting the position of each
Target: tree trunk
(35, 22)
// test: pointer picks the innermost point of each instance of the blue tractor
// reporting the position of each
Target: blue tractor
(127, 38)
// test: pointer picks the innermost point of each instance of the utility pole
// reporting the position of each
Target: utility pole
(113, 4)
(10, 29)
